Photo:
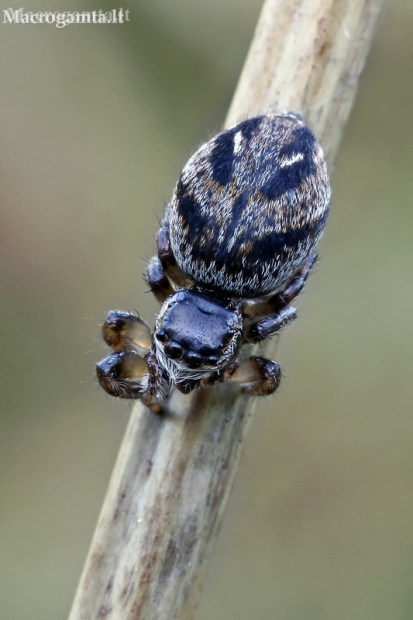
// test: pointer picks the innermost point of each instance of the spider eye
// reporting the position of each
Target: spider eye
(193, 359)
(173, 350)
(211, 360)
(160, 335)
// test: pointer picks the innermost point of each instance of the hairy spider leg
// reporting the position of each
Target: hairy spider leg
(256, 376)
(163, 273)
(129, 372)
(270, 316)
(125, 331)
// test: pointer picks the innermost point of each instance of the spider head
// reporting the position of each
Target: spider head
(197, 332)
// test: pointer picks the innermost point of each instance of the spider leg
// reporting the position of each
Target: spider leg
(126, 374)
(124, 331)
(157, 280)
(266, 318)
(257, 376)
(131, 371)
(162, 272)
(281, 299)
(166, 255)
(123, 374)
(270, 325)
(296, 285)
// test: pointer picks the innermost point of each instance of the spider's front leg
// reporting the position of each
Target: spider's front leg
(123, 374)
(131, 371)
(125, 331)
(264, 319)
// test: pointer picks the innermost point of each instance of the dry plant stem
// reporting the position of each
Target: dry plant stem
(174, 473)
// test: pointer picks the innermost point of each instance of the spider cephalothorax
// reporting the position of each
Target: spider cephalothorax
(235, 247)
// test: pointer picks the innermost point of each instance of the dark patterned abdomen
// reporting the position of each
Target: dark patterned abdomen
(250, 205)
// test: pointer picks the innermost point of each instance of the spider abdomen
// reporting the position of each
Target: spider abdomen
(250, 205)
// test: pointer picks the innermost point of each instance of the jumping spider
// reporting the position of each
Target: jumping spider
(235, 247)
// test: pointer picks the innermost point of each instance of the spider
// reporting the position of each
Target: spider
(235, 247)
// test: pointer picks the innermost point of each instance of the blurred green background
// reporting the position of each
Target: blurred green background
(96, 122)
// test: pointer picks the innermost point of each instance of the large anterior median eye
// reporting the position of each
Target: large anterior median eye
(193, 359)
